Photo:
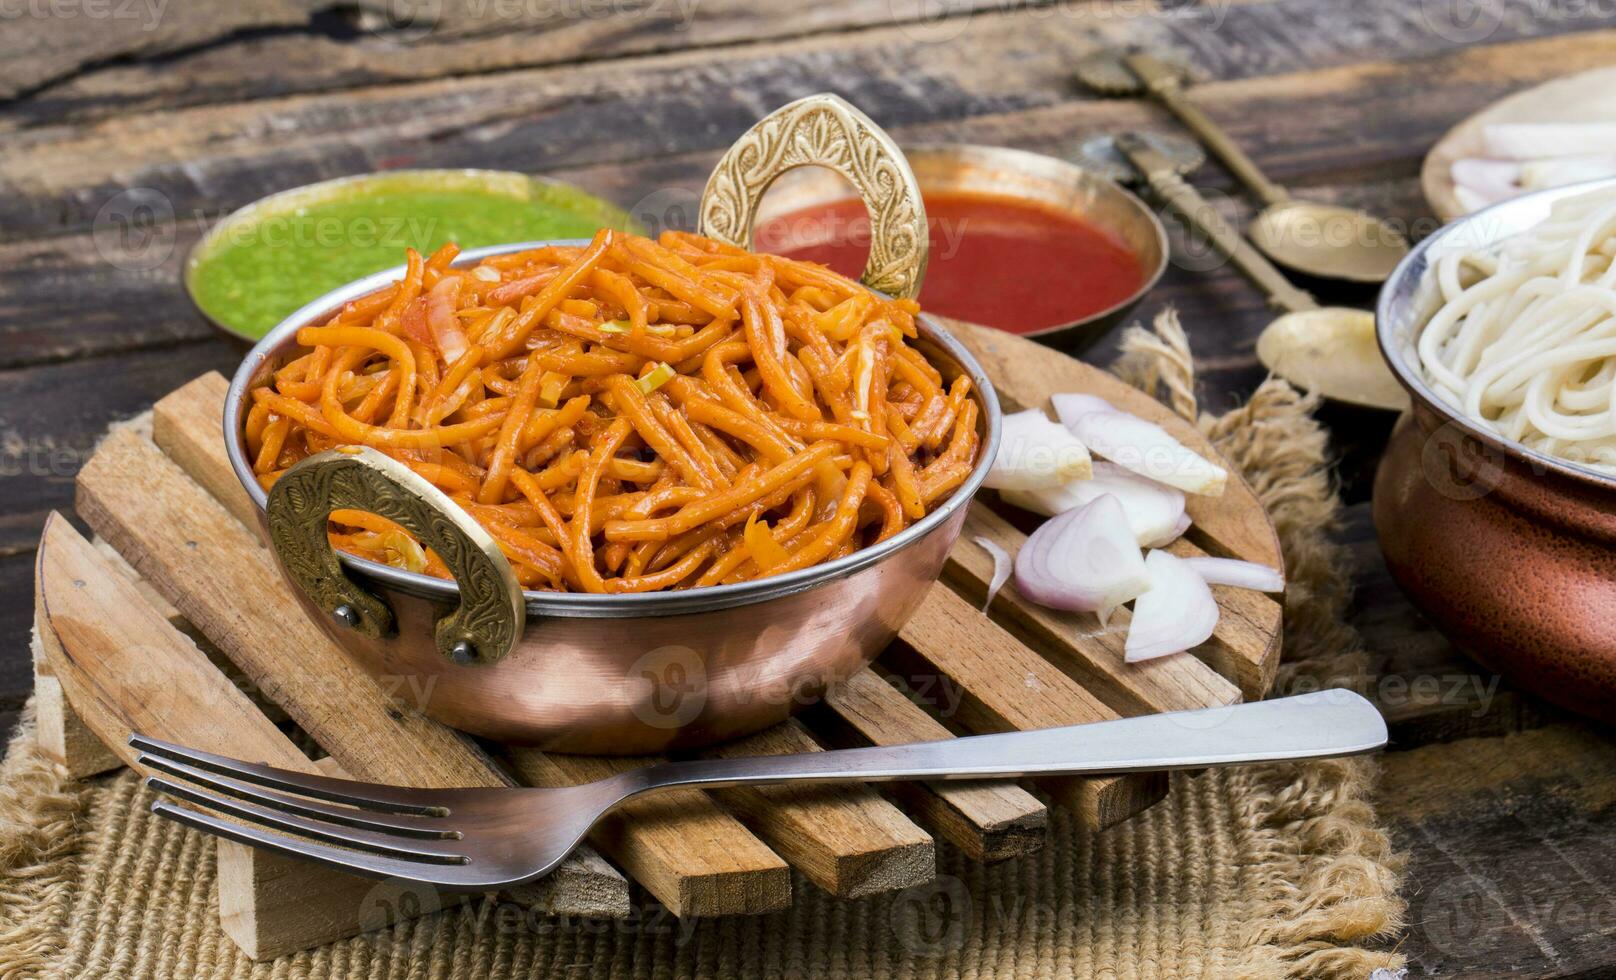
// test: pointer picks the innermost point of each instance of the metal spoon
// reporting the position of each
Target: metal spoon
(1330, 349)
(1323, 240)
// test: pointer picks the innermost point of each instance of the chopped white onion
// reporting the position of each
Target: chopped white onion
(1001, 568)
(1143, 447)
(1035, 453)
(1560, 171)
(1240, 574)
(1176, 532)
(1491, 179)
(1085, 560)
(1531, 141)
(1153, 509)
(1174, 615)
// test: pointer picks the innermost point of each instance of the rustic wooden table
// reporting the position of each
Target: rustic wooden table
(126, 127)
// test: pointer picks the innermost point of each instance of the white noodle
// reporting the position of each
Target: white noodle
(1525, 339)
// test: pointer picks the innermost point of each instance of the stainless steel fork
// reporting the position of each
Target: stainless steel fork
(488, 839)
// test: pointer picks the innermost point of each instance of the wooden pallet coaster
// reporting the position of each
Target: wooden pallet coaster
(206, 602)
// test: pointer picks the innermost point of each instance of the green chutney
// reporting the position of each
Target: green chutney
(268, 259)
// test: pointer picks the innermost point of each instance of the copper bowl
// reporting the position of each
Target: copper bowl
(1004, 172)
(1510, 552)
(632, 674)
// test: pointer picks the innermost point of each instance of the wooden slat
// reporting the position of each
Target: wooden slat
(693, 856)
(1075, 642)
(187, 425)
(127, 669)
(847, 840)
(989, 820)
(179, 622)
(204, 562)
(1006, 686)
(61, 734)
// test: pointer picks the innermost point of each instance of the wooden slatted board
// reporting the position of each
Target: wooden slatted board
(176, 624)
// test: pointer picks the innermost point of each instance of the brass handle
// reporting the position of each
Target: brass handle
(1164, 83)
(1195, 209)
(491, 613)
(826, 131)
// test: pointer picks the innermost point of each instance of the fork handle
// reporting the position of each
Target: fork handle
(1306, 726)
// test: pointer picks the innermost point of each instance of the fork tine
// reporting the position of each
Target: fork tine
(403, 825)
(385, 845)
(354, 862)
(370, 796)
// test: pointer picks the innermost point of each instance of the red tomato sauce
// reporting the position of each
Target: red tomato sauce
(1001, 261)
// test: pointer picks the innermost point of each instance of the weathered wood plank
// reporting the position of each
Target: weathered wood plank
(51, 417)
(461, 37)
(201, 160)
(202, 560)
(1512, 851)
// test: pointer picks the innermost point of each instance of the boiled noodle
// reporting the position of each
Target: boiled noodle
(1525, 339)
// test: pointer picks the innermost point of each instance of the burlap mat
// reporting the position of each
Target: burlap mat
(1260, 871)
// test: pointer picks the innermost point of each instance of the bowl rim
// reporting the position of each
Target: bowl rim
(589, 605)
(1033, 162)
(265, 207)
(1394, 306)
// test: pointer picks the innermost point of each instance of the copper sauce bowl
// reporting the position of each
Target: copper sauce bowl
(1000, 171)
(1510, 552)
(617, 674)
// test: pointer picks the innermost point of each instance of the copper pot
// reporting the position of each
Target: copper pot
(617, 674)
(1510, 552)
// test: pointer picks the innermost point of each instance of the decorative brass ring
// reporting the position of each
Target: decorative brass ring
(491, 613)
(826, 131)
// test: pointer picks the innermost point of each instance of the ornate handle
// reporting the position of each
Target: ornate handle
(491, 613)
(825, 130)
(1184, 199)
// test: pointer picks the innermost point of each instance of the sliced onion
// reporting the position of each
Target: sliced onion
(1085, 560)
(1177, 531)
(441, 320)
(1177, 613)
(1001, 568)
(1143, 447)
(1240, 574)
(1531, 141)
(1153, 509)
(1035, 453)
